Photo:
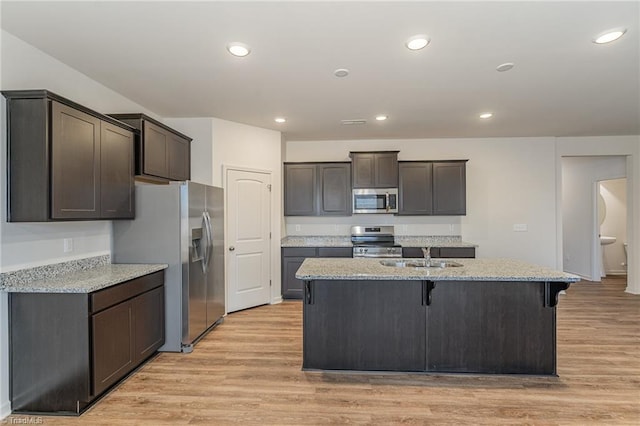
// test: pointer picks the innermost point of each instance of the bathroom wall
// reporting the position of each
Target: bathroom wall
(614, 193)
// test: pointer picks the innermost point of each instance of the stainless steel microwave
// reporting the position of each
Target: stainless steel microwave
(377, 200)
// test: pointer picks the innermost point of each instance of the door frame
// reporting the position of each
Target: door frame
(274, 298)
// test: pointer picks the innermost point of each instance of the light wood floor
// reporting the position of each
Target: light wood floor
(247, 371)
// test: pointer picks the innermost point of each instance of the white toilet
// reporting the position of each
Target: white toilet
(604, 241)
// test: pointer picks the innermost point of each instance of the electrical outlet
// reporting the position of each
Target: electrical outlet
(68, 245)
(520, 227)
(297, 227)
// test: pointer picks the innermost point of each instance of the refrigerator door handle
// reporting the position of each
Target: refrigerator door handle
(206, 246)
(209, 233)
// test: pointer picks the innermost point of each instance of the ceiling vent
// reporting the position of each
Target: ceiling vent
(354, 122)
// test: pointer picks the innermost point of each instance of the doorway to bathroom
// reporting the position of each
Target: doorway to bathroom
(581, 185)
(612, 225)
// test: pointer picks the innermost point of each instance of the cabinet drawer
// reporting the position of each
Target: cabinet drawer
(299, 252)
(110, 296)
(459, 252)
(335, 252)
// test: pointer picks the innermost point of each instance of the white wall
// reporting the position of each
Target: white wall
(581, 251)
(509, 181)
(201, 131)
(628, 146)
(217, 143)
(614, 193)
(29, 244)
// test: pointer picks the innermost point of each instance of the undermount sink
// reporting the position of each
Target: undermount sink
(607, 240)
(420, 263)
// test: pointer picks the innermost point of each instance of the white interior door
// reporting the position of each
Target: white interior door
(248, 235)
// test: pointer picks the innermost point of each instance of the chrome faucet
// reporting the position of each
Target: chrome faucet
(426, 251)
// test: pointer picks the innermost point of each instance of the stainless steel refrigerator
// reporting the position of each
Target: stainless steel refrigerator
(180, 224)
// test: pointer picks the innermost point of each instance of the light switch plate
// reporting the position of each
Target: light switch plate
(68, 245)
(520, 227)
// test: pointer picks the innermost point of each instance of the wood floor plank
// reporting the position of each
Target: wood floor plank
(247, 371)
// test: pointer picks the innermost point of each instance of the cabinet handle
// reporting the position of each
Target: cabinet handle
(232, 248)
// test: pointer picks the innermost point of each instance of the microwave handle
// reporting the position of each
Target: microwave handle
(387, 201)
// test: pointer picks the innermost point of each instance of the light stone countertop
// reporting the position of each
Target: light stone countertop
(316, 241)
(345, 241)
(472, 270)
(84, 281)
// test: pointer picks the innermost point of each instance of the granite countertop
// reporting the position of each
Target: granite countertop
(83, 281)
(472, 270)
(345, 241)
(316, 241)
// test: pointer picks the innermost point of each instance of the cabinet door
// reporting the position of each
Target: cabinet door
(414, 189)
(291, 286)
(148, 309)
(75, 164)
(155, 148)
(457, 252)
(116, 172)
(335, 252)
(449, 188)
(112, 351)
(364, 325)
(363, 170)
(386, 170)
(335, 191)
(179, 158)
(300, 190)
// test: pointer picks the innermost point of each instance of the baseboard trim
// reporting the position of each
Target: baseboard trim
(5, 409)
(276, 300)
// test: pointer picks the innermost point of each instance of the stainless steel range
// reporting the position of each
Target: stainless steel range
(374, 241)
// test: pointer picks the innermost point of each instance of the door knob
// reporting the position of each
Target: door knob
(232, 248)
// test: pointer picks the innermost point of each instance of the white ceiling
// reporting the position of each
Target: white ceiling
(171, 58)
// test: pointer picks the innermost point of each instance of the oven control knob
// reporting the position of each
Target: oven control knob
(365, 250)
(390, 250)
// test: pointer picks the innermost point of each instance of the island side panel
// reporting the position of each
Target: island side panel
(491, 327)
(364, 325)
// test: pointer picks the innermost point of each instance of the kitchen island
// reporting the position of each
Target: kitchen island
(487, 316)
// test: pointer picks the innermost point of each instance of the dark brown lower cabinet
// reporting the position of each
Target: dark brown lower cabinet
(292, 258)
(441, 252)
(67, 349)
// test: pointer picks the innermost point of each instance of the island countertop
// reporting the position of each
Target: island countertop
(472, 270)
(84, 281)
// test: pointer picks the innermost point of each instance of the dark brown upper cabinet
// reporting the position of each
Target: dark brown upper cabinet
(317, 189)
(65, 161)
(375, 169)
(435, 188)
(162, 153)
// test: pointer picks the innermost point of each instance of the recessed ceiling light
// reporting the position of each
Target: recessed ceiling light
(609, 36)
(238, 49)
(486, 115)
(381, 117)
(505, 67)
(417, 42)
(341, 72)
(280, 120)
